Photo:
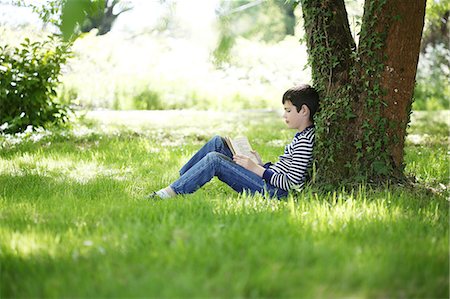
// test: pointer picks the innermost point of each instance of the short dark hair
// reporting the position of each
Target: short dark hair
(303, 94)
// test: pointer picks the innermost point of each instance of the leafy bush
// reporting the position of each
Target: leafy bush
(147, 100)
(29, 76)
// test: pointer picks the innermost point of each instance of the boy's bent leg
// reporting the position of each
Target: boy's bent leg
(241, 179)
(215, 144)
(199, 174)
(216, 164)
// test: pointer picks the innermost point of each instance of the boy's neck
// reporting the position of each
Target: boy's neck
(305, 125)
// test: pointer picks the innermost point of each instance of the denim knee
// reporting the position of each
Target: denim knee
(213, 157)
(216, 158)
(217, 140)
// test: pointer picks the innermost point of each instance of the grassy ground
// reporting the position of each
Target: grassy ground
(74, 222)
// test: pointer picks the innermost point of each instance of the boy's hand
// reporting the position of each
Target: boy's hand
(248, 164)
(258, 157)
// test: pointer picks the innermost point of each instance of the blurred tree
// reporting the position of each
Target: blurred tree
(269, 21)
(84, 15)
(78, 16)
(288, 7)
(103, 18)
(432, 90)
(437, 25)
(366, 90)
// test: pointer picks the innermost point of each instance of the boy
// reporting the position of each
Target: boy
(240, 172)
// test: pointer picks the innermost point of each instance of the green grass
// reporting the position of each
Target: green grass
(73, 221)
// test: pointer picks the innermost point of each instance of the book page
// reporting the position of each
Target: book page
(242, 147)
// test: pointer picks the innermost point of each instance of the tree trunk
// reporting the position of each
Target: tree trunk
(401, 50)
(366, 93)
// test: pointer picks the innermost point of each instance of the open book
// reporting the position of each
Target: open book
(241, 146)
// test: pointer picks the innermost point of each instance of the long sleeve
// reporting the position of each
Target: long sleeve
(291, 171)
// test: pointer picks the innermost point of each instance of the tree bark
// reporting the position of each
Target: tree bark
(321, 31)
(401, 49)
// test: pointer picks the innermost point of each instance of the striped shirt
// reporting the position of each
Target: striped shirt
(290, 172)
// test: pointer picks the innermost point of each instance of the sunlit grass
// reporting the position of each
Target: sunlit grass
(74, 222)
(428, 149)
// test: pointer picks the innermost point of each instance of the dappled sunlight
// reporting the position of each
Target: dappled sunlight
(434, 169)
(337, 212)
(247, 204)
(69, 244)
(68, 230)
(29, 244)
(84, 131)
(429, 128)
(427, 154)
(174, 128)
(62, 169)
(84, 172)
(416, 138)
(323, 217)
(10, 140)
(168, 119)
(427, 139)
(340, 211)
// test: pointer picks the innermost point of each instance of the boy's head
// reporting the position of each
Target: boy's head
(303, 94)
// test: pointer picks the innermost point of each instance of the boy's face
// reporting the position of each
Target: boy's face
(294, 119)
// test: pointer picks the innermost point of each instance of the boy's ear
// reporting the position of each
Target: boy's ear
(305, 109)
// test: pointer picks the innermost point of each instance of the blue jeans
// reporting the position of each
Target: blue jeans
(215, 159)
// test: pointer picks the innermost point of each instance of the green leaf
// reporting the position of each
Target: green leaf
(380, 167)
(73, 14)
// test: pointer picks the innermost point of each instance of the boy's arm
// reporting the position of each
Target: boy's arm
(296, 172)
(259, 170)
(249, 164)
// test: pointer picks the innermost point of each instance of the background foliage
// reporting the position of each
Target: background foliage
(130, 68)
(433, 89)
(267, 21)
